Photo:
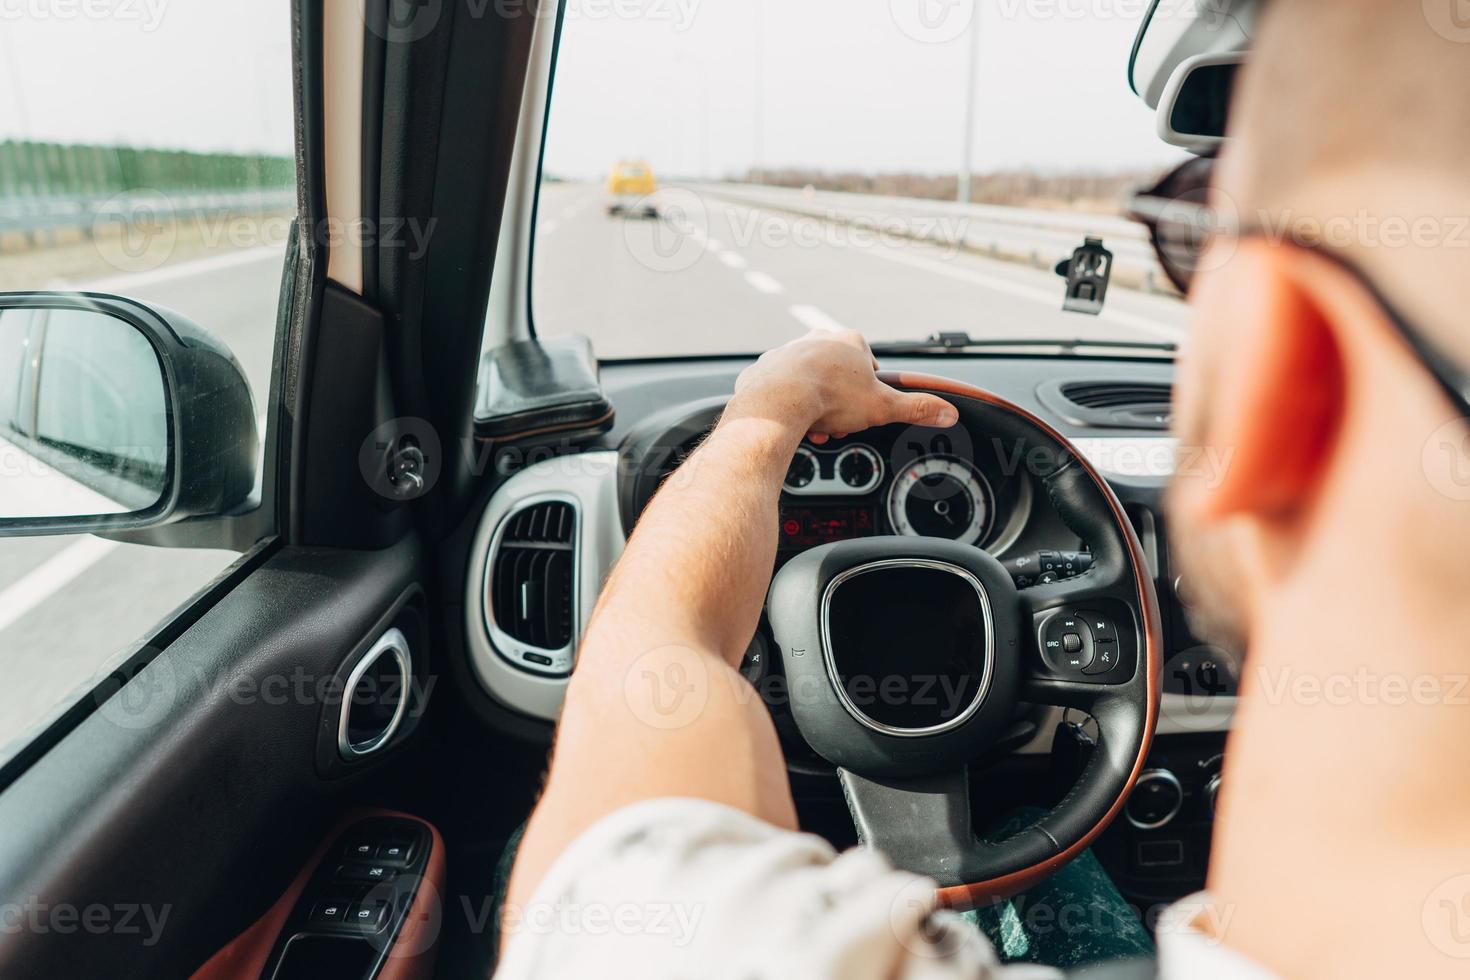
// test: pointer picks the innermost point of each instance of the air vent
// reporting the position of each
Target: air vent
(1119, 404)
(1135, 397)
(531, 587)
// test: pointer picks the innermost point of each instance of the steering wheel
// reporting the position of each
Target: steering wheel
(905, 658)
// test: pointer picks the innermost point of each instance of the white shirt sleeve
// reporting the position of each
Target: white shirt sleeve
(680, 888)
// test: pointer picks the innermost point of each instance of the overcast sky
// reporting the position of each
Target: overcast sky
(195, 74)
(869, 85)
(694, 86)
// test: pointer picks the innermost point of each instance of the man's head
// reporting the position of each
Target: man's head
(1351, 131)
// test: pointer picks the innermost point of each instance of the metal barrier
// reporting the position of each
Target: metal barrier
(1033, 236)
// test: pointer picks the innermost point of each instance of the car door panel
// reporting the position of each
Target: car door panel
(194, 791)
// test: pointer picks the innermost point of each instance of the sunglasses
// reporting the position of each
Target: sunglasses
(1182, 224)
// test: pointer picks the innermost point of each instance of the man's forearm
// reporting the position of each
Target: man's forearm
(696, 569)
(656, 707)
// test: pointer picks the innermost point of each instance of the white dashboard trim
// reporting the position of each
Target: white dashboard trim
(1131, 457)
(591, 481)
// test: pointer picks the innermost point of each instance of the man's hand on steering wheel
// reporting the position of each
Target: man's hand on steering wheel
(829, 378)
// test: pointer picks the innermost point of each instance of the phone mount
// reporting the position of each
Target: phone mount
(1087, 273)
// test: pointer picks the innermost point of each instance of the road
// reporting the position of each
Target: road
(710, 276)
(717, 276)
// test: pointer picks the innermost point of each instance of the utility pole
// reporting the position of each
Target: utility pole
(759, 121)
(972, 76)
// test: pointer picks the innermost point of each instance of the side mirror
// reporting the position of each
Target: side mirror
(117, 416)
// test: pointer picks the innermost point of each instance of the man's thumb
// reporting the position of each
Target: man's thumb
(918, 409)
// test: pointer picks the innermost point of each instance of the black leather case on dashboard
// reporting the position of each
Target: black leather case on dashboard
(532, 388)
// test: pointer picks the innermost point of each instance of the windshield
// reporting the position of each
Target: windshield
(805, 165)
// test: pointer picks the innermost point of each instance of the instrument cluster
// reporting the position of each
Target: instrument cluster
(903, 480)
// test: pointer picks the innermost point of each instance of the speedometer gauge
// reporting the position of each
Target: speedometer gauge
(940, 497)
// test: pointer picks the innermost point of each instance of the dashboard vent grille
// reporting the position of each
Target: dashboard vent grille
(1115, 404)
(1114, 395)
(533, 575)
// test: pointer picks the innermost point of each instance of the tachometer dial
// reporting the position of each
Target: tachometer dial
(940, 497)
(803, 469)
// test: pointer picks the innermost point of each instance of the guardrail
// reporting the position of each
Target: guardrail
(38, 221)
(1033, 236)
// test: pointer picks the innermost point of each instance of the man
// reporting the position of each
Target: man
(1333, 548)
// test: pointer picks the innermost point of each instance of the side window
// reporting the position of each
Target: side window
(146, 151)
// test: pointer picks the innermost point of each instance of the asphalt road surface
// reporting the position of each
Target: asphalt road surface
(710, 275)
(715, 276)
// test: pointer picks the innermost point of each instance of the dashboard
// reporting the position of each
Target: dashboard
(960, 483)
(556, 518)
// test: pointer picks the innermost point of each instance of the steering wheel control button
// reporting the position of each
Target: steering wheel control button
(1067, 644)
(1105, 658)
(1155, 800)
(1102, 628)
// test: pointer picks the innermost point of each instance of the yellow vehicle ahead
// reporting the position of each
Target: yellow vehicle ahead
(630, 186)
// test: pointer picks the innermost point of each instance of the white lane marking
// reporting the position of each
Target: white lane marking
(763, 283)
(50, 577)
(814, 319)
(184, 270)
(548, 227)
(1120, 317)
(732, 260)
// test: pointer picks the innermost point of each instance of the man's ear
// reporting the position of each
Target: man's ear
(1276, 397)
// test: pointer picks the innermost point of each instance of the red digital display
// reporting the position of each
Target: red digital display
(807, 527)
